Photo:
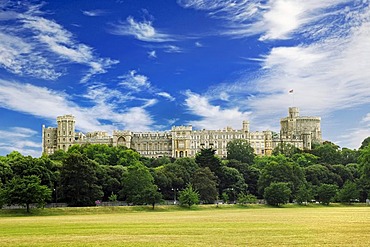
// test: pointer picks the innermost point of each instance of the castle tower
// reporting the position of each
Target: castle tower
(293, 112)
(65, 131)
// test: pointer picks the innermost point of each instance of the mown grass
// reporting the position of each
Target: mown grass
(227, 225)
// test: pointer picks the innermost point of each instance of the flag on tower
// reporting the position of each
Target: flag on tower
(291, 91)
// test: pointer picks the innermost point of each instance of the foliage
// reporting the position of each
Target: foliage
(189, 196)
(304, 194)
(151, 195)
(277, 193)
(231, 180)
(365, 143)
(241, 150)
(113, 197)
(205, 182)
(348, 193)
(137, 181)
(328, 153)
(79, 180)
(206, 158)
(246, 198)
(250, 174)
(326, 193)
(286, 149)
(26, 190)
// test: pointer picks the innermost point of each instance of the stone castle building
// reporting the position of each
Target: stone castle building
(183, 141)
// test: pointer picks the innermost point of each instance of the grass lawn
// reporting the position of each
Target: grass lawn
(201, 226)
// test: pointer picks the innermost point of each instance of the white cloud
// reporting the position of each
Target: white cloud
(19, 139)
(48, 104)
(143, 31)
(213, 117)
(166, 95)
(29, 43)
(198, 44)
(152, 54)
(173, 49)
(94, 12)
(135, 81)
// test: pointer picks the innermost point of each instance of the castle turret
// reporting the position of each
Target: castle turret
(66, 131)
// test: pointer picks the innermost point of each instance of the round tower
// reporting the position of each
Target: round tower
(293, 112)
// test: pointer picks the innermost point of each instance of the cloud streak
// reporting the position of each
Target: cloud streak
(143, 31)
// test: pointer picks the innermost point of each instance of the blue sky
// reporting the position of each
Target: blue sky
(148, 65)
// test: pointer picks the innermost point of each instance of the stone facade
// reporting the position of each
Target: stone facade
(183, 141)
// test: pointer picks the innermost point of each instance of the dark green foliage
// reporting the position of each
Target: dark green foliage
(232, 182)
(79, 180)
(348, 193)
(205, 182)
(250, 174)
(326, 193)
(207, 158)
(304, 194)
(365, 143)
(328, 153)
(26, 190)
(151, 195)
(246, 198)
(286, 149)
(277, 193)
(189, 196)
(240, 150)
(137, 183)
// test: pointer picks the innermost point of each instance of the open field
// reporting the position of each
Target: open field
(202, 226)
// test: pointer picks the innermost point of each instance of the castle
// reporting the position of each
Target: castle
(183, 141)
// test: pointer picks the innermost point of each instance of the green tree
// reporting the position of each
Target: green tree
(151, 195)
(304, 194)
(246, 198)
(328, 153)
(79, 180)
(26, 190)
(232, 182)
(240, 150)
(277, 193)
(326, 193)
(204, 181)
(250, 174)
(189, 196)
(137, 182)
(365, 143)
(286, 149)
(207, 158)
(348, 193)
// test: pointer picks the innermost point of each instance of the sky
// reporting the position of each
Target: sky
(145, 65)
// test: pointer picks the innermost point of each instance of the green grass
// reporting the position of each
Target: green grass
(227, 225)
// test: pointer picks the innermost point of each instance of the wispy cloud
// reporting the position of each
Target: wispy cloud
(166, 95)
(152, 54)
(103, 104)
(94, 12)
(35, 46)
(213, 116)
(172, 49)
(143, 31)
(135, 81)
(278, 19)
(19, 139)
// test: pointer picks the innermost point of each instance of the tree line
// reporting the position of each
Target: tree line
(88, 174)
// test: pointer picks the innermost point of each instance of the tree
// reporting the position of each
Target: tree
(26, 190)
(348, 193)
(240, 150)
(204, 181)
(246, 198)
(151, 195)
(304, 194)
(137, 183)
(207, 158)
(232, 182)
(286, 149)
(328, 153)
(326, 193)
(277, 193)
(79, 180)
(189, 196)
(250, 174)
(365, 143)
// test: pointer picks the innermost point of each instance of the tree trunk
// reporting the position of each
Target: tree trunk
(28, 207)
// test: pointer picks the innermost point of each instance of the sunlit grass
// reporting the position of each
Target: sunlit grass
(200, 226)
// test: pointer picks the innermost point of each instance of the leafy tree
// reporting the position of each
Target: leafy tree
(250, 174)
(304, 194)
(6, 172)
(349, 156)
(319, 174)
(277, 193)
(305, 159)
(204, 181)
(365, 143)
(79, 180)
(286, 149)
(151, 195)
(137, 182)
(326, 193)
(189, 196)
(246, 198)
(26, 190)
(240, 150)
(206, 158)
(232, 182)
(348, 192)
(364, 161)
(328, 153)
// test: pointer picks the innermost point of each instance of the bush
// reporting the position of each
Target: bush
(277, 193)
(189, 196)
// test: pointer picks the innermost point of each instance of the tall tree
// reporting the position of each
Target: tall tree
(240, 150)
(326, 193)
(205, 182)
(189, 196)
(79, 180)
(207, 158)
(348, 193)
(137, 181)
(277, 193)
(26, 190)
